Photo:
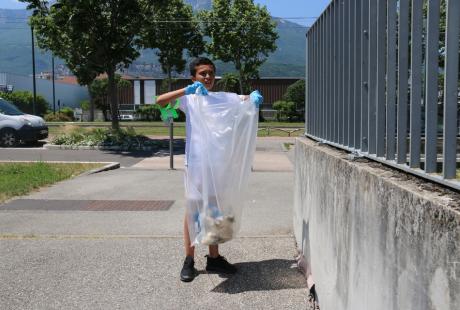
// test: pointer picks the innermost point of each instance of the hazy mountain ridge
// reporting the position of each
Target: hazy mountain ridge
(15, 49)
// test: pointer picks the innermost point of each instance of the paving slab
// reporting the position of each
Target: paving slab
(118, 273)
(64, 258)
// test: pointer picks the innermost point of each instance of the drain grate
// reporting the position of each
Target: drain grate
(88, 205)
(129, 205)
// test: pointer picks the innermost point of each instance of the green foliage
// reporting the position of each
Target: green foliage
(67, 112)
(172, 39)
(98, 89)
(230, 83)
(149, 112)
(85, 105)
(284, 109)
(92, 37)
(79, 136)
(58, 117)
(244, 35)
(24, 101)
(296, 93)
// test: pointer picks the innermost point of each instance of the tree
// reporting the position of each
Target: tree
(230, 83)
(98, 89)
(242, 33)
(92, 37)
(171, 28)
(296, 93)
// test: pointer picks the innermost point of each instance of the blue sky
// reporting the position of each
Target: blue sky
(301, 10)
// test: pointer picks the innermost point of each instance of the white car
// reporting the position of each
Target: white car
(16, 126)
(126, 117)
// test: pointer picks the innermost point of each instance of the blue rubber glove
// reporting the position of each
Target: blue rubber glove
(256, 98)
(192, 89)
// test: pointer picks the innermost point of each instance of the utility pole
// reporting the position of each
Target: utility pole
(54, 90)
(33, 71)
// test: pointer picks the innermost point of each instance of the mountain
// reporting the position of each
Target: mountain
(15, 49)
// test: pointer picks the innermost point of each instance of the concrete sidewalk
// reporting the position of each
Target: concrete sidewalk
(73, 259)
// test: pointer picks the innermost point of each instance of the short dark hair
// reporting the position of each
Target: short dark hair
(200, 61)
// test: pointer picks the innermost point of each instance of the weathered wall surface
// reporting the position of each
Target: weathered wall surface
(375, 238)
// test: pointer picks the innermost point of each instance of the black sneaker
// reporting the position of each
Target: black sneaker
(188, 272)
(219, 265)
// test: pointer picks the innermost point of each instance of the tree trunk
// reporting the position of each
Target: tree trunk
(91, 110)
(113, 99)
(240, 76)
(169, 79)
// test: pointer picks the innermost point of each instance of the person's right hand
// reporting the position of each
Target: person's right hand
(192, 89)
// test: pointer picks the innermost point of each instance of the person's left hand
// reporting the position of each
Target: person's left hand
(256, 98)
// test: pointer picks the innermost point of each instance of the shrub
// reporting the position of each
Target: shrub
(68, 112)
(79, 136)
(285, 109)
(58, 117)
(85, 105)
(24, 101)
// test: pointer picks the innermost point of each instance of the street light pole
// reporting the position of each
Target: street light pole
(33, 71)
(54, 90)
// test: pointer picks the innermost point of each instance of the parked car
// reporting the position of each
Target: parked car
(16, 126)
(126, 117)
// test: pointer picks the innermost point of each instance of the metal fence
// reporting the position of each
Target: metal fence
(383, 82)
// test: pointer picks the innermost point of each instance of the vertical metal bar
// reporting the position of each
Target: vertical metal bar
(364, 75)
(321, 76)
(341, 72)
(380, 92)
(346, 60)
(34, 78)
(327, 63)
(451, 89)
(372, 75)
(307, 81)
(337, 69)
(416, 82)
(324, 79)
(317, 81)
(431, 97)
(313, 80)
(351, 73)
(403, 63)
(357, 80)
(391, 80)
(331, 75)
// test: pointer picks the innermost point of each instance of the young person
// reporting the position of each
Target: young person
(202, 71)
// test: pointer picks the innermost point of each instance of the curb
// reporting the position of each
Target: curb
(108, 165)
(100, 148)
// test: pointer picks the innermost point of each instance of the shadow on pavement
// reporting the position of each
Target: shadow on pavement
(159, 150)
(274, 274)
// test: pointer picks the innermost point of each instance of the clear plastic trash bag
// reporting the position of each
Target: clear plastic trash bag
(219, 159)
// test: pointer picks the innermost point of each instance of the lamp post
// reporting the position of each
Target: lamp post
(54, 90)
(33, 71)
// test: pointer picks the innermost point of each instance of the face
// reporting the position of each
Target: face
(206, 75)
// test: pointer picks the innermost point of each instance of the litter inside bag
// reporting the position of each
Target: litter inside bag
(219, 158)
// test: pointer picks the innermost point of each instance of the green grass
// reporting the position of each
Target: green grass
(21, 178)
(160, 129)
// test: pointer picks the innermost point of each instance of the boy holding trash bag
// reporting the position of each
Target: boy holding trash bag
(214, 124)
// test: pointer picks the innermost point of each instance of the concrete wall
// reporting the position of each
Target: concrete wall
(375, 238)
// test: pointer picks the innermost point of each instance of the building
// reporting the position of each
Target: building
(143, 91)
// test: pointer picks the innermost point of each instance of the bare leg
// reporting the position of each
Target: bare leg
(214, 251)
(189, 249)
